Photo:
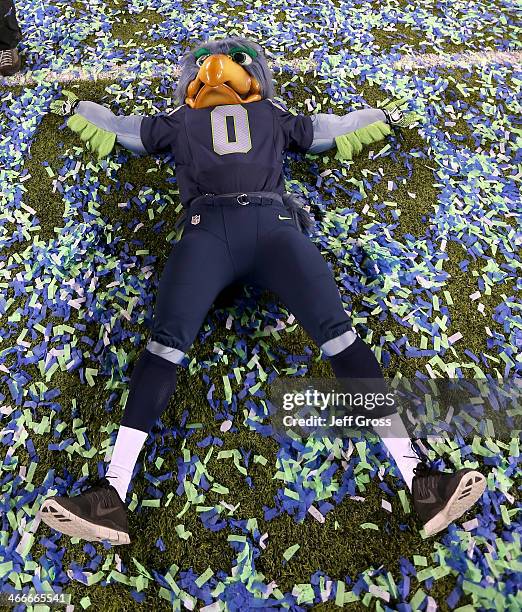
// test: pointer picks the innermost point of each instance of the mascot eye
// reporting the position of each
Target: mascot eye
(200, 60)
(242, 58)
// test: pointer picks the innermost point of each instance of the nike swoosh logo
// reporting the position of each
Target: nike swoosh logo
(428, 500)
(285, 218)
(104, 511)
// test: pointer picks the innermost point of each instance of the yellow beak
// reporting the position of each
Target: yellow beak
(221, 80)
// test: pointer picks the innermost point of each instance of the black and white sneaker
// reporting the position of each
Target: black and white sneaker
(9, 62)
(95, 515)
(439, 498)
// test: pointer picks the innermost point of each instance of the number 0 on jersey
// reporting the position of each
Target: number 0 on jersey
(230, 129)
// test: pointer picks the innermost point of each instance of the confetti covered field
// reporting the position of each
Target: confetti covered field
(422, 233)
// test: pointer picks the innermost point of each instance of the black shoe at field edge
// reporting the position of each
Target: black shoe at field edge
(10, 62)
(439, 498)
(96, 514)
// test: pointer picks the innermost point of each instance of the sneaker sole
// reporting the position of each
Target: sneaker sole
(471, 486)
(63, 520)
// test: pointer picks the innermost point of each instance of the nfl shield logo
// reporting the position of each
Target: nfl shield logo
(195, 219)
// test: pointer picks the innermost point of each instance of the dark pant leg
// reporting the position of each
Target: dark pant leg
(291, 266)
(360, 372)
(198, 268)
(10, 33)
(152, 384)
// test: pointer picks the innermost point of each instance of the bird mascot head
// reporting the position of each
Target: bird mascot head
(232, 71)
(228, 71)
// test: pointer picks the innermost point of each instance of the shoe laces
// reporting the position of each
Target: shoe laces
(6, 57)
(418, 454)
(95, 488)
(425, 469)
(94, 483)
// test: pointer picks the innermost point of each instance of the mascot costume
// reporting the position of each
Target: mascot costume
(228, 139)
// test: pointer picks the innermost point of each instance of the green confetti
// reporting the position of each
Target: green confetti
(151, 503)
(339, 595)
(290, 551)
(6, 567)
(182, 532)
(417, 599)
(205, 577)
(404, 501)
(305, 593)
(291, 494)
(228, 389)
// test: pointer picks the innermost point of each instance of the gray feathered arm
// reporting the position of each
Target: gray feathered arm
(126, 128)
(328, 127)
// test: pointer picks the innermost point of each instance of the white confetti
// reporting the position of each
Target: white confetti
(262, 540)
(455, 338)
(471, 548)
(469, 525)
(213, 607)
(325, 594)
(270, 588)
(424, 282)
(226, 425)
(378, 592)
(316, 514)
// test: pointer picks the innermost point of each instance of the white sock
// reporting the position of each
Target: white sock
(129, 443)
(399, 448)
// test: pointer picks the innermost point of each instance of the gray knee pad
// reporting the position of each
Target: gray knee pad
(170, 354)
(337, 345)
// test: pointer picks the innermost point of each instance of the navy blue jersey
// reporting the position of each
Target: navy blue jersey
(227, 148)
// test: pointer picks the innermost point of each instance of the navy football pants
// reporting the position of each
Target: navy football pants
(252, 244)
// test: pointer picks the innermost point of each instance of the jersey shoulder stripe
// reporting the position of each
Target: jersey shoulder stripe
(277, 105)
(177, 109)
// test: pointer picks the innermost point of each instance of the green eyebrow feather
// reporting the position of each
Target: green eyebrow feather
(200, 52)
(247, 50)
